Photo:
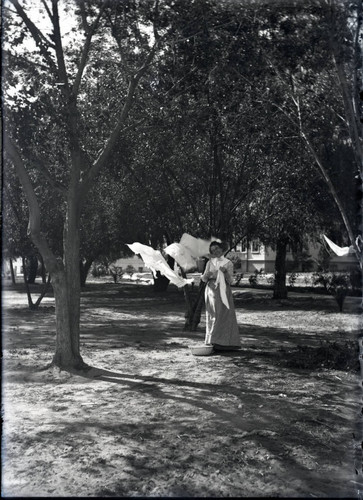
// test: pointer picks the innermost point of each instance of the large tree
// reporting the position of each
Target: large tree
(55, 68)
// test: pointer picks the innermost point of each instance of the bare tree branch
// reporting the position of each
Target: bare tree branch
(352, 117)
(62, 72)
(141, 71)
(103, 156)
(47, 9)
(42, 43)
(186, 193)
(86, 48)
(119, 45)
(81, 5)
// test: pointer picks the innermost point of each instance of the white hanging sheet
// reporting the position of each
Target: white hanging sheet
(196, 246)
(340, 251)
(156, 262)
(181, 255)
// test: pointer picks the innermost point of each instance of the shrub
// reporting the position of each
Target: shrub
(337, 285)
(253, 279)
(116, 273)
(237, 279)
(307, 280)
(130, 270)
(293, 278)
(98, 270)
(321, 278)
(271, 279)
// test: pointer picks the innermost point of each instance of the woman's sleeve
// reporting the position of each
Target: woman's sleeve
(203, 277)
(229, 274)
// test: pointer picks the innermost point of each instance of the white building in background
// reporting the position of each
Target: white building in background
(135, 261)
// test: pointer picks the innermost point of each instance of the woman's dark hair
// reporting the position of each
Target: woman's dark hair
(215, 244)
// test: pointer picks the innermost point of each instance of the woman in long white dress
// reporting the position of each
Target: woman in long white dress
(221, 324)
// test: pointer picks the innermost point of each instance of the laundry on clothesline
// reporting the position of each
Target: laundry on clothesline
(198, 247)
(156, 262)
(188, 250)
(340, 251)
(182, 256)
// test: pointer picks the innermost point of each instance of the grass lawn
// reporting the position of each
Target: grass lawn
(275, 418)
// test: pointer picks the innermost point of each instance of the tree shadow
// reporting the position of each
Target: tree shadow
(270, 414)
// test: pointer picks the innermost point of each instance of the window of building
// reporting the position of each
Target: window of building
(243, 246)
(141, 269)
(255, 246)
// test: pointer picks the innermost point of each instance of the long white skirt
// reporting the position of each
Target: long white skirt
(221, 328)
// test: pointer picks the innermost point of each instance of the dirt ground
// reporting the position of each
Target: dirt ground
(151, 419)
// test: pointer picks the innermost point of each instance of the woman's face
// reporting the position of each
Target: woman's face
(216, 251)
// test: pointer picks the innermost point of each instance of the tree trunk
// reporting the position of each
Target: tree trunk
(43, 292)
(26, 282)
(13, 280)
(189, 307)
(84, 267)
(67, 293)
(42, 269)
(31, 304)
(194, 307)
(161, 282)
(32, 264)
(66, 351)
(67, 290)
(70, 296)
(198, 308)
(280, 290)
(340, 298)
(194, 303)
(248, 255)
